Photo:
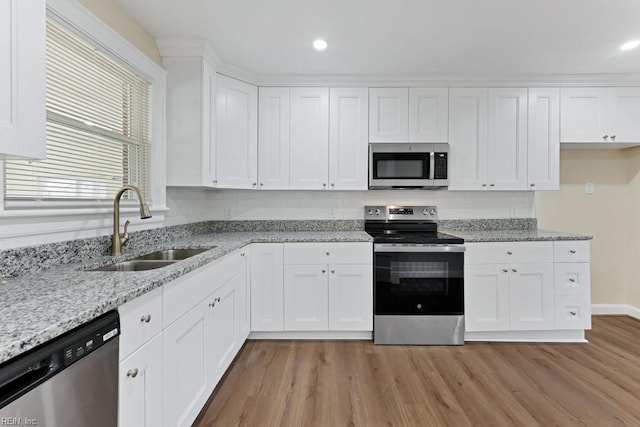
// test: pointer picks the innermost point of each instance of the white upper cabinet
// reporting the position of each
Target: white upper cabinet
(388, 114)
(22, 79)
(348, 147)
(488, 139)
(191, 122)
(543, 142)
(468, 121)
(428, 114)
(408, 114)
(605, 116)
(237, 133)
(309, 142)
(273, 138)
(507, 139)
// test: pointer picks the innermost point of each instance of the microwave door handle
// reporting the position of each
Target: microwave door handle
(432, 165)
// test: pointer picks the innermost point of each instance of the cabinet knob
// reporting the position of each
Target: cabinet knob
(492, 185)
(572, 251)
(509, 253)
(146, 318)
(215, 181)
(504, 270)
(254, 184)
(217, 299)
(132, 373)
(262, 184)
(515, 270)
(333, 184)
(333, 271)
(533, 184)
(605, 137)
(328, 253)
(484, 185)
(572, 280)
(573, 313)
(613, 137)
(324, 184)
(242, 254)
(212, 304)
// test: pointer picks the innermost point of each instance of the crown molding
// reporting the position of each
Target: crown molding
(188, 48)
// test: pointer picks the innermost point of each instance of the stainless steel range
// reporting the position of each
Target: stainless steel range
(418, 277)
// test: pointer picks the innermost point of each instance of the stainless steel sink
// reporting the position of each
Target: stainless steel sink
(172, 254)
(134, 265)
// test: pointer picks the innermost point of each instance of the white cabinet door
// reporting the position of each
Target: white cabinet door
(388, 114)
(185, 367)
(543, 142)
(531, 297)
(22, 79)
(267, 287)
(583, 113)
(428, 114)
(140, 387)
(351, 297)
(624, 111)
(348, 145)
(243, 287)
(507, 139)
(486, 297)
(468, 119)
(306, 297)
(222, 322)
(273, 138)
(237, 133)
(309, 152)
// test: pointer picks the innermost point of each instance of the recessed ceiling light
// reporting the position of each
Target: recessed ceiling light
(320, 44)
(630, 45)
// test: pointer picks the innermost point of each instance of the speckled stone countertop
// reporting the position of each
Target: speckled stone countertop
(470, 236)
(39, 306)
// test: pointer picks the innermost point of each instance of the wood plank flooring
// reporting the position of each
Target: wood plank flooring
(355, 383)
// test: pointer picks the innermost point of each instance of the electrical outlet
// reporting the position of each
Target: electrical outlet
(588, 188)
(227, 213)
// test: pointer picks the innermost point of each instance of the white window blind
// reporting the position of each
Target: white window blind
(98, 129)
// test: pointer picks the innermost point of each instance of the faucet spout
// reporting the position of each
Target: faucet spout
(119, 240)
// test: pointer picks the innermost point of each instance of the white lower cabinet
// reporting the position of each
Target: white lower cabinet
(267, 290)
(519, 287)
(140, 386)
(306, 297)
(350, 299)
(221, 331)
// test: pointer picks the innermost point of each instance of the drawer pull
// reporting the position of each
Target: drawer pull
(509, 253)
(217, 299)
(146, 319)
(132, 373)
(504, 270)
(212, 304)
(572, 251)
(573, 313)
(515, 270)
(572, 280)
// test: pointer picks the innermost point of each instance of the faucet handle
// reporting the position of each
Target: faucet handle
(124, 237)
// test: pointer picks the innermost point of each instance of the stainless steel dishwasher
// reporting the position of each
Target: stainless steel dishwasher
(70, 381)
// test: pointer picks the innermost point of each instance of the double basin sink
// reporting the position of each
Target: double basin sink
(153, 260)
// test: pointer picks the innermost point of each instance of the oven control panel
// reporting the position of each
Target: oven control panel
(400, 212)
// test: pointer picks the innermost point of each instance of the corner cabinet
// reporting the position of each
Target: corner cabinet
(602, 116)
(237, 133)
(191, 122)
(22, 79)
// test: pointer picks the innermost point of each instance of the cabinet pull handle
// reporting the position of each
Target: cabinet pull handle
(212, 304)
(492, 185)
(605, 137)
(217, 299)
(215, 181)
(572, 280)
(504, 270)
(572, 251)
(146, 319)
(132, 373)
(484, 185)
(613, 137)
(515, 270)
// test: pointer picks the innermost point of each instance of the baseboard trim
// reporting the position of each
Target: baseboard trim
(619, 309)
(551, 336)
(312, 335)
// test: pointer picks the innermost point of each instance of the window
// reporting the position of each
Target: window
(98, 129)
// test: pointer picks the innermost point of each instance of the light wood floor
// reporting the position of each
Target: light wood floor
(355, 383)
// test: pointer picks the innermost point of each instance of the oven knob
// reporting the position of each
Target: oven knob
(419, 306)
(425, 212)
(432, 211)
(369, 212)
(378, 212)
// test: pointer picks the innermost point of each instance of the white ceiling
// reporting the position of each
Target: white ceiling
(402, 38)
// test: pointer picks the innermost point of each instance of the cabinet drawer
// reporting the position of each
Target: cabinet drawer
(508, 252)
(573, 312)
(571, 251)
(140, 320)
(328, 253)
(184, 293)
(572, 278)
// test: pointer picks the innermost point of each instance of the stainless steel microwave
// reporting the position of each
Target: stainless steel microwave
(408, 165)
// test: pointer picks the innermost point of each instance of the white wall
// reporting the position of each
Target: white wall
(190, 205)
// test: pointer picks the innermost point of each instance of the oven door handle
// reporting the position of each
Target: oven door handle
(432, 165)
(384, 247)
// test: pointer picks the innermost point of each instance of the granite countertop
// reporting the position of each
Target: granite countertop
(39, 306)
(470, 236)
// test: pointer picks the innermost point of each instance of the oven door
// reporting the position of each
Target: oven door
(418, 280)
(397, 165)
